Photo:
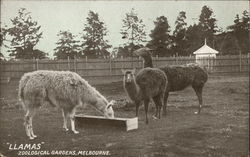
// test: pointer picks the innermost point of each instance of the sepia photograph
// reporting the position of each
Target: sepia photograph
(124, 78)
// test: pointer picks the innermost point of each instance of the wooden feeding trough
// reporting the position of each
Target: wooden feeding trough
(123, 123)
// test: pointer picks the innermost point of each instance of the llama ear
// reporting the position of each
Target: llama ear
(111, 103)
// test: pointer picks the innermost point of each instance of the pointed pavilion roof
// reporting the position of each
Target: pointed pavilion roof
(205, 49)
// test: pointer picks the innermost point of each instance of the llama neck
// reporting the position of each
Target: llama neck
(133, 90)
(147, 61)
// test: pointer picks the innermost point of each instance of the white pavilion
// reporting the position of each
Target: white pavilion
(204, 54)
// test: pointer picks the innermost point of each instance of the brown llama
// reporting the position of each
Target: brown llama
(149, 83)
(179, 77)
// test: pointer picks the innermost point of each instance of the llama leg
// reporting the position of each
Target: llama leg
(165, 103)
(28, 123)
(72, 120)
(158, 100)
(146, 102)
(156, 112)
(137, 105)
(198, 91)
(31, 125)
(65, 115)
(162, 104)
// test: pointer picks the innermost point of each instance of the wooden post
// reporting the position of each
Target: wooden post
(37, 64)
(122, 61)
(132, 62)
(34, 65)
(75, 63)
(86, 62)
(68, 64)
(240, 60)
(176, 59)
(110, 66)
(248, 59)
(86, 65)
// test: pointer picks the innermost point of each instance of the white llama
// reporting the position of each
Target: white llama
(63, 89)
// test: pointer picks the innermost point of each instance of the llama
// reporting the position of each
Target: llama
(179, 77)
(63, 89)
(149, 83)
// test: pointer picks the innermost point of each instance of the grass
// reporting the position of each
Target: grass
(220, 130)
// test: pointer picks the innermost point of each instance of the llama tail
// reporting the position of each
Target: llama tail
(22, 85)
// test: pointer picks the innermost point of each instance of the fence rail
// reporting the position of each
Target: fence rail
(110, 69)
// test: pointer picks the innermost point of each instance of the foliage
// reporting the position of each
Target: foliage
(179, 34)
(194, 40)
(133, 29)
(124, 51)
(205, 29)
(2, 35)
(1, 41)
(207, 24)
(25, 34)
(94, 32)
(160, 38)
(240, 30)
(180, 23)
(230, 45)
(67, 46)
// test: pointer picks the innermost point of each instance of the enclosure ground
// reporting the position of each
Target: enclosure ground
(220, 130)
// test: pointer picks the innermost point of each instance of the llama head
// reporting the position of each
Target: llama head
(128, 75)
(145, 51)
(109, 112)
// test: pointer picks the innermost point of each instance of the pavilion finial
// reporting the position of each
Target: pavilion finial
(205, 41)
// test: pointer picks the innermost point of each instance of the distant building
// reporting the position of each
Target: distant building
(205, 55)
(205, 52)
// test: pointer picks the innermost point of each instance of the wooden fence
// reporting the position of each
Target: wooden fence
(101, 70)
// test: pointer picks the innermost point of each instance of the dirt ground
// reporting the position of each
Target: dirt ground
(221, 130)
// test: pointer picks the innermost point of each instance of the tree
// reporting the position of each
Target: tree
(93, 36)
(240, 30)
(67, 46)
(133, 30)
(193, 38)
(24, 35)
(205, 29)
(180, 34)
(180, 23)
(207, 24)
(160, 38)
(229, 45)
(2, 35)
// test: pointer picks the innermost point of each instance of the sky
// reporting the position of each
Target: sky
(56, 15)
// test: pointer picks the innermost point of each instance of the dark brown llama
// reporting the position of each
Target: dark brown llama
(179, 76)
(149, 83)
